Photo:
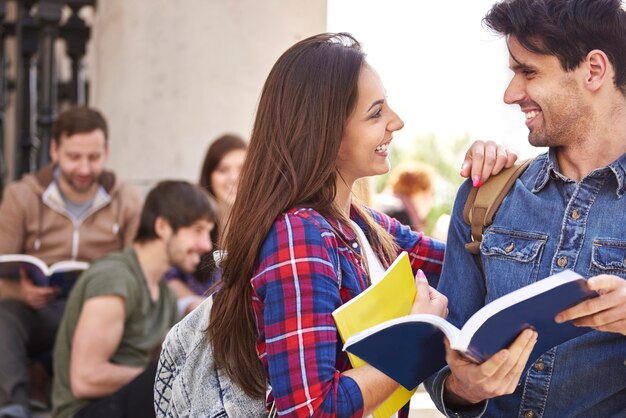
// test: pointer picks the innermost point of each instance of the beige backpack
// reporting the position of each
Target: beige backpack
(483, 202)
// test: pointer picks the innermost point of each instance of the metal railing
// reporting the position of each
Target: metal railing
(35, 26)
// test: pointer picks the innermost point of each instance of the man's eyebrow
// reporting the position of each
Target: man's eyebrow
(519, 66)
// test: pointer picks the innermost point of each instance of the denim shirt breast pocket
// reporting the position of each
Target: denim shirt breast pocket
(510, 259)
(608, 256)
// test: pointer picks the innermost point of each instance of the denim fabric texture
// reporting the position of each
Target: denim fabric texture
(187, 382)
(546, 224)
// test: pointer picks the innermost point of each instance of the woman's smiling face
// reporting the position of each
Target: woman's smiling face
(225, 177)
(364, 149)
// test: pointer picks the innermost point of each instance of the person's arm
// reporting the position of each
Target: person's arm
(11, 237)
(425, 253)
(298, 288)
(98, 333)
(462, 386)
(470, 383)
(606, 312)
(12, 221)
(186, 298)
(375, 386)
(26, 291)
(294, 311)
(12, 241)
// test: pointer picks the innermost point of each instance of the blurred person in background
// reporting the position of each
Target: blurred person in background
(219, 176)
(120, 309)
(408, 194)
(71, 209)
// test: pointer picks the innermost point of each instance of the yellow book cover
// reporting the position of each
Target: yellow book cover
(389, 298)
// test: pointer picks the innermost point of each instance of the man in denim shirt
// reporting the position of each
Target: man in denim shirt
(567, 211)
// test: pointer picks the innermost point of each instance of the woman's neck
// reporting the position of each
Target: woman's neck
(343, 197)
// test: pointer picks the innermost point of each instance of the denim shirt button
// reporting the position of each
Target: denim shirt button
(539, 365)
(509, 248)
(529, 414)
(562, 261)
(575, 214)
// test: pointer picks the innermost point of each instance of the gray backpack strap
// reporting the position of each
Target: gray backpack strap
(483, 202)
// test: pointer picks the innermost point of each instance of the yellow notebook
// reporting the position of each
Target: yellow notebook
(391, 297)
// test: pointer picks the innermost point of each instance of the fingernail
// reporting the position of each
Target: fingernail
(476, 181)
(420, 274)
(558, 319)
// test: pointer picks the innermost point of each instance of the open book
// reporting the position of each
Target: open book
(390, 297)
(62, 274)
(410, 348)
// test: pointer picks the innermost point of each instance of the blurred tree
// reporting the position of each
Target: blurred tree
(446, 158)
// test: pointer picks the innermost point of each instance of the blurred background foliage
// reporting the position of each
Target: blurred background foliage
(444, 156)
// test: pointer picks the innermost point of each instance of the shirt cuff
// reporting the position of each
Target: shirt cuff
(349, 398)
(439, 384)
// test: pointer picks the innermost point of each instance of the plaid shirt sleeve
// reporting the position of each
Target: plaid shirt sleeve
(424, 252)
(295, 290)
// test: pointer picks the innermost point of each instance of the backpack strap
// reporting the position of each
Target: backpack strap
(484, 201)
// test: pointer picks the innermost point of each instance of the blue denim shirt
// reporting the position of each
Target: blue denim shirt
(554, 224)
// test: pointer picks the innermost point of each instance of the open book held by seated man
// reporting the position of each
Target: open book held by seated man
(71, 209)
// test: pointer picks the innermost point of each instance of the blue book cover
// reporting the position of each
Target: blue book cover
(410, 348)
(62, 274)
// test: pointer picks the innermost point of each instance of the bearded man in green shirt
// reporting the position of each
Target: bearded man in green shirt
(121, 308)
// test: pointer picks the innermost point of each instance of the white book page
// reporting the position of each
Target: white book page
(25, 258)
(489, 310)
(447, 328)
(68, 265)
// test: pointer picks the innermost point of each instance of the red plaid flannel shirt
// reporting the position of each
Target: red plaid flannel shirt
(304, 271)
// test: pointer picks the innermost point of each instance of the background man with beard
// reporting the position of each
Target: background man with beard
(566, 211)
(71, 209)
(120, 309)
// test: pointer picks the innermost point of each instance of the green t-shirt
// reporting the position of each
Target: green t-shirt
(145, 326)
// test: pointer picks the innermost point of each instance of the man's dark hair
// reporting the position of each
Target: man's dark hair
(78, 120)
(179, 202)
(566, 29)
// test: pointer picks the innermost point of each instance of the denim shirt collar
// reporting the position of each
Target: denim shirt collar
(549, 168)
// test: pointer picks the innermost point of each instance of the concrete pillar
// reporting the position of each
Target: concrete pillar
(170, 76)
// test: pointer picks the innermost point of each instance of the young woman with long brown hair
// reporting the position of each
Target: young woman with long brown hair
(297, 244)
